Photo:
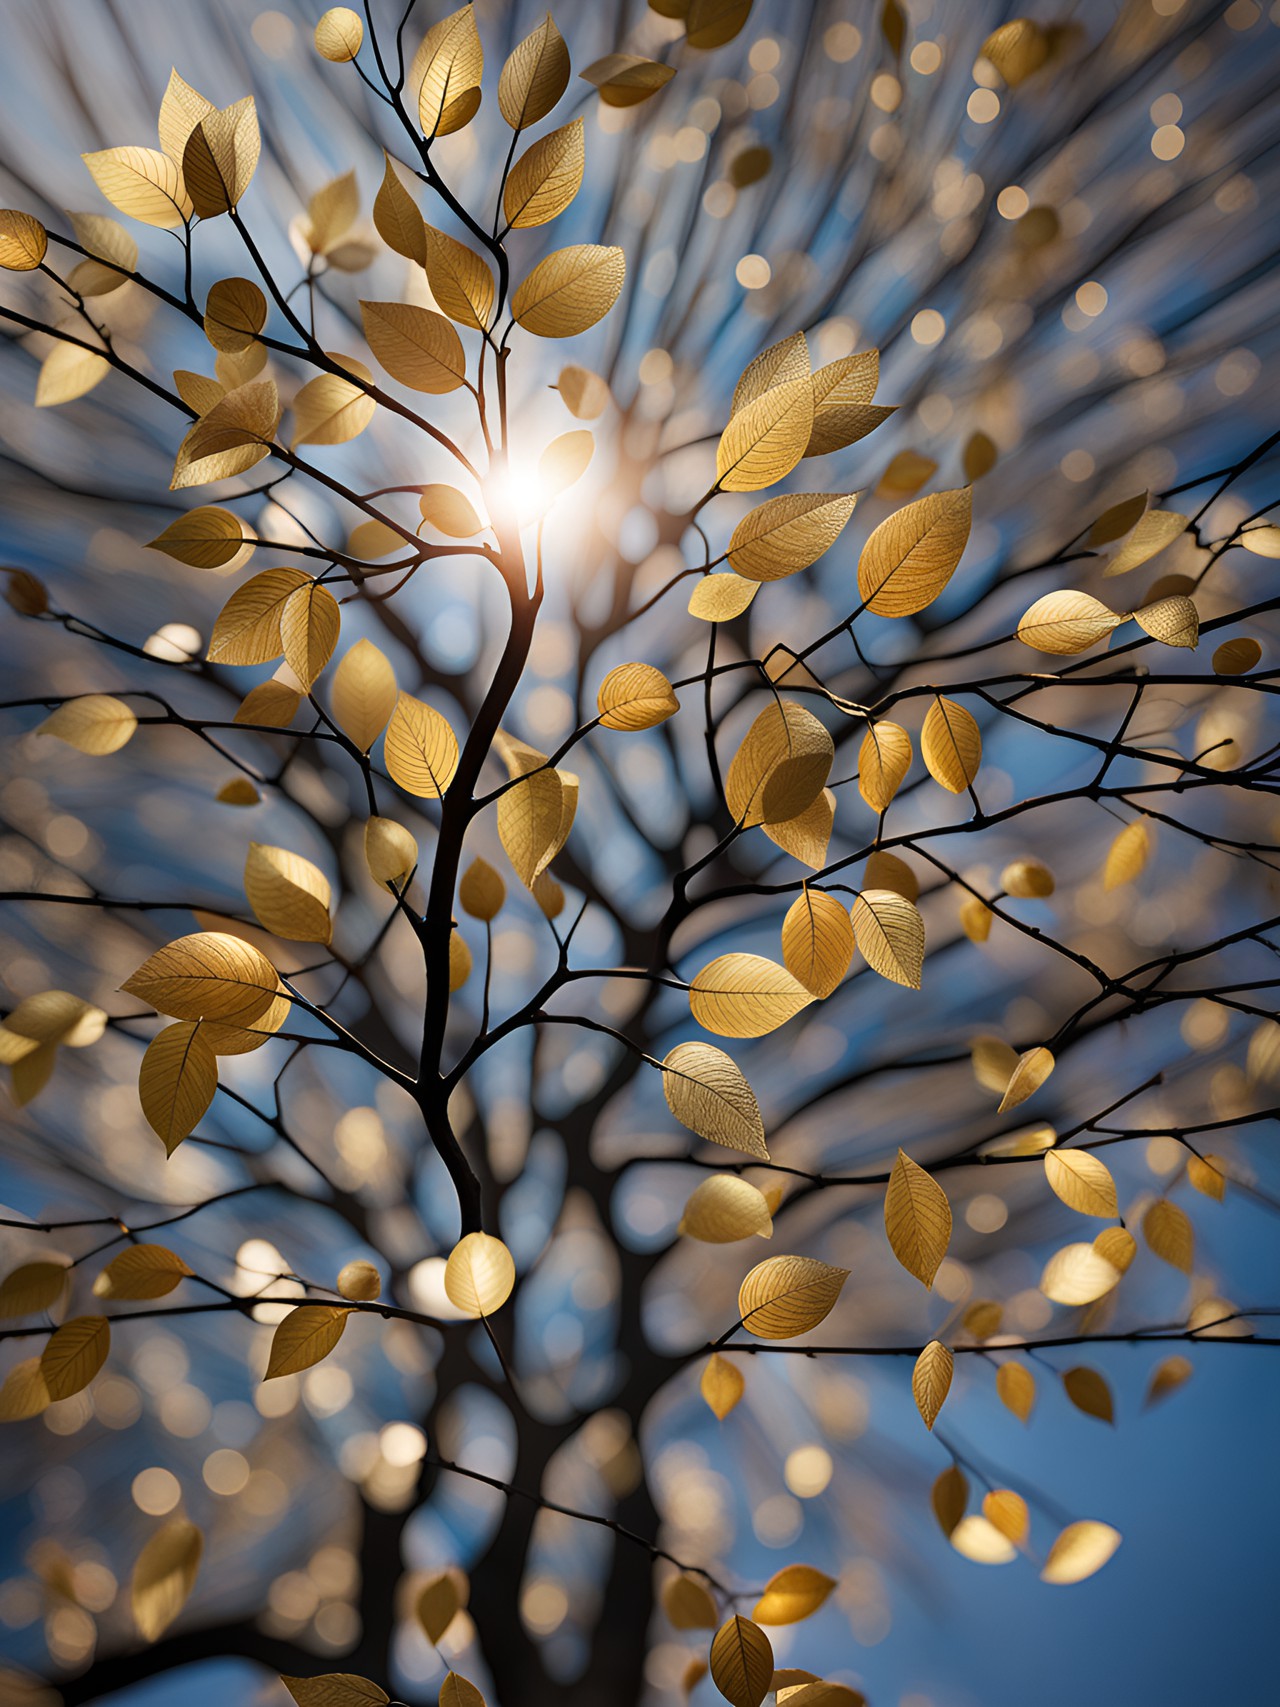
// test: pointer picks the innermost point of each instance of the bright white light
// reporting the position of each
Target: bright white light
(517, 491)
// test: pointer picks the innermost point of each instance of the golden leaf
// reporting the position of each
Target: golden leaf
(460, 281)
(931, 1380)
(741, 1662)
(290, 896)
(1154, 531)
(69, 371)
(781, 767)
(142, 183)
(1034, 1067)
(113, 252)
(786, 534)
(1078, 1274)
(141, 1271)
(781, 362)
(397, 220)
(208, 975)
(766, 438)
(949, 1497)
(688, 1604)
(445, 70)
(887, 871)
(310, 622)
(1112, 524)
(220, 157)
(975, 919)
(785, 1296)
(330, 410)
(884, 759)
(911, 556)
(24, 1393)
(569, 291)
(235, 312)
(1080, 1550)
(481, 890)
(74, 1354)
(712, 23)
(198, 391)
(951, 745)
(546, 178)
(1262, 541)
(335, 1689)
(564, 461)
(917, 1219)
(479, 1275)
(584, 393)
(421, 749)
(534, 817)
(363, 693)
(980, 456)
(977, 1538)
(1089, 1392)
(235, 434)
(96, 724)
(1008, 1513)
(1236, 657)
(624, 79)
(745, 995)
(242, 1040)
(635, 696)
(448, 511)
(534, 76)
(1117, 1245)
(164, 1576)
(373, 539)
(248, 627)
(1017, 50)
(724, 1209)
(707, 1092)
(791, 1594)
(806, 836)
(1169, 1374)
(1127, 855)
(205, 538)
(1208, 1175)
(23, 241)
(339, 34)
(721, 1385)
(359, 1280)
(33, 1288)
(889, 932)
(983, 1318)
(390, 851)
(719, 598)
(907, 473)
(843, 410)
(456, 1691)
(1016, 1388)
(176, 1082)
(1066, 622)
(306, 1336)
(1169, 1234)
(438, 1605)
(460, 962)
(749, 166)
(1173, 621)
(1082, 1181)
(270, 703)
(817, 941)
(993, 1061)
(415, 345)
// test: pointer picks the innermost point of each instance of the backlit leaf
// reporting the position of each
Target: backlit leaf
(766, 438)
(724, 1209)
(806, 836)
(479, 1275)
(1173, 621)
(460, 281)
(1236, 657)
(1017, 50)
(721, 1385)
(209, 975)
(74, 1354)
(416, 346)
(235, 312)
(787, 1295)
(220, 157)
(310, 622)
(975, 1537)
(1008, 1513)
(884, 759)
(569, 291)
(421, 749)
(339, 34)
(949, 1497)
(1089, 1392)
(1027, 879)
(445, 70)
(23, 1393)
(534, 817)
(1082, 1549)
(886, 871)
(164, 1577)
(911, 556)
(438, 1605)
(290, 896)
(1208, 1176)
(624, 79)
(363, 693)
(889, 932)
(247, 630)
(176, 1082)
(1016, 1387)
(719, 598)
(359, 1280)
(396, 218)
(1154, 531)
(1077, 1274)
(96, 723)
(917, 1219)
(390, 850)
(817, 941)
(23, 241)
(141, 1271)
(546, 178)
(306, 1336)
(329, 410)
(481, 890)
(534, 77)
(205, 538)
(564, 462)
(791, 1594)
(635, 696)
(951, 745)
(335, 1689)
(931, 1380)
(1083, 1182)
(707, 1092)
(688, 1604)
(1169, 1234)
(787, 534)
(745, 995)
(1066, 622)
(143, 183)
(1127, 855)
(233, 436)
(1169, 1374)
(584, 393)
(786, 360)
(741, 1662)
(712, 23)
(1034, 1067)
(33, 1288)
(781, 767)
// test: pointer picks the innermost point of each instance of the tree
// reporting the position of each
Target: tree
(563, 904)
